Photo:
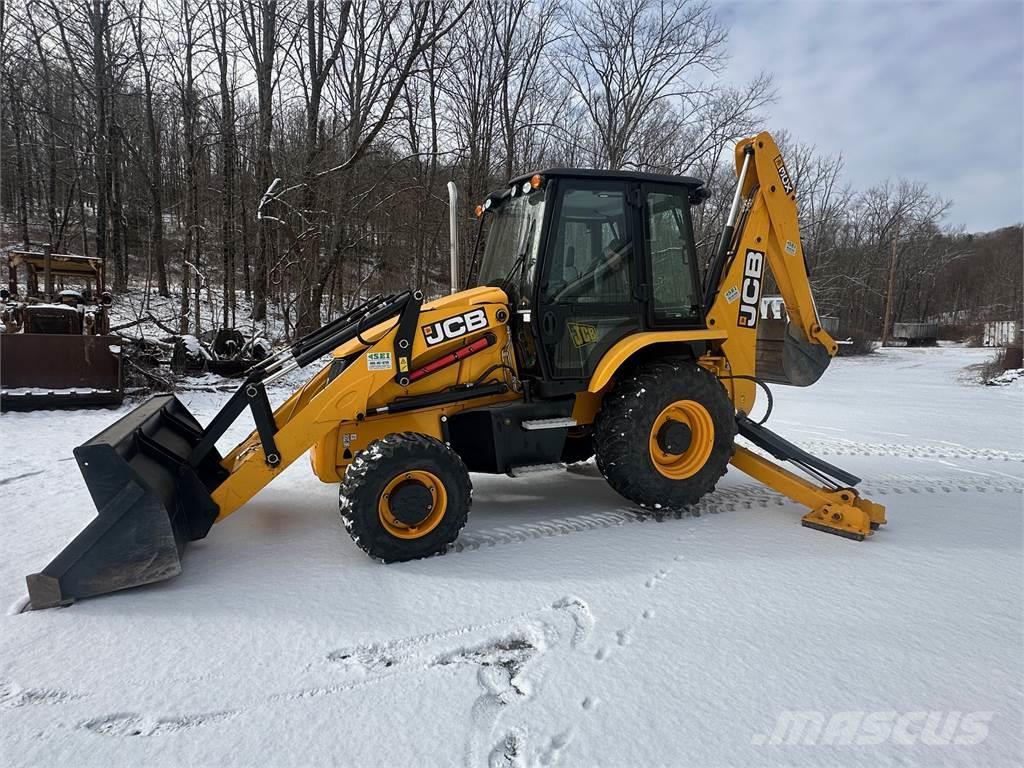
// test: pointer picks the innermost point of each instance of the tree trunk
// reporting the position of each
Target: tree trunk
(228, 161)
(887, 318)
(118, 245)
(98, 18)
(264, 162)
(17, 117)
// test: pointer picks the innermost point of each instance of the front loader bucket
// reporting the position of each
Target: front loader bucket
(151, 502)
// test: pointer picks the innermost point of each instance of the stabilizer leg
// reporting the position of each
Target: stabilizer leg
(838, 511)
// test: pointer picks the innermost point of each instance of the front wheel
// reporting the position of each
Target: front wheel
(664, 434)
(405, 496)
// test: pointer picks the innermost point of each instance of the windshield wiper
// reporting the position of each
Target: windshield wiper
(521, 258)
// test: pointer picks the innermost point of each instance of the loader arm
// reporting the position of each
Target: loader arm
(159, 482)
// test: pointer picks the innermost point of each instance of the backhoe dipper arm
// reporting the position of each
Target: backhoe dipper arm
(765, 234)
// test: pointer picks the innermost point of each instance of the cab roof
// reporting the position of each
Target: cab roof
(698, 192)
(596, 173)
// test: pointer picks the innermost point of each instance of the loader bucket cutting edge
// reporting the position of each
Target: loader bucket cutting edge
(151, 502)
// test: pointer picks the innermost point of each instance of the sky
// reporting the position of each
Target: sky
(931, 91)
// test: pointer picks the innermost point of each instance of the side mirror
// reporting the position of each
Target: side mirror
(106, 299)
(699, 195)
(4, 294)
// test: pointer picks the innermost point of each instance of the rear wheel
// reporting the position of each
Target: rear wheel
(664, 434)
(406, 496)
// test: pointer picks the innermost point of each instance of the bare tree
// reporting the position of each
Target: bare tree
(383, 43)
(150, 161)
(218, 21)
(261, 25)
(186, 78)
(624, 60)
(522, 31)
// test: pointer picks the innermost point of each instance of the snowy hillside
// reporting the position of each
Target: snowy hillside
(565, 628)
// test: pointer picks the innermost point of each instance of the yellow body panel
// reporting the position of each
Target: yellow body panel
(323, 412)
(625, 348)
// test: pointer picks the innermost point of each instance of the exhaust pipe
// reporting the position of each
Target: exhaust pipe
(453, 226)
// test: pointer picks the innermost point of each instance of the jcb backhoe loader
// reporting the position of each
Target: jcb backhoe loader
(588, 332)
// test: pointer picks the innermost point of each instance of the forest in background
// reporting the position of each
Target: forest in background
(294, 154)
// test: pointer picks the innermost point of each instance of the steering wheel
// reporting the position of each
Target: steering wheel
(615, 257)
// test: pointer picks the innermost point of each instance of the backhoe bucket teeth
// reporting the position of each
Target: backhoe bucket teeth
(151, 502)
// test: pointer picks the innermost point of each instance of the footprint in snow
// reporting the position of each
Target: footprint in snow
(659, 576)
(509, 660)
(509, 751)
(559, 742)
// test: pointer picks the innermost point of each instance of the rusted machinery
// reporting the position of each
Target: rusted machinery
(55, 346)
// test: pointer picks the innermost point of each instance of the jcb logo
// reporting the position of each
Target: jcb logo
(582, 334)
(453, 327)
(750, 294)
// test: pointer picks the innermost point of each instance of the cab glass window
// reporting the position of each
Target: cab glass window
(669, 239)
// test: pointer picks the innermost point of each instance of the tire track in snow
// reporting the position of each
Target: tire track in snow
(132, 724)
(841, 447)
(731, 499)
(14, 696)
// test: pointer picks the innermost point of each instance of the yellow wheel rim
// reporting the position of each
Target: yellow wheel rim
(702, 430)
(438, 507)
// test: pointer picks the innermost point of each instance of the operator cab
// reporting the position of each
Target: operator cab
(588, 257)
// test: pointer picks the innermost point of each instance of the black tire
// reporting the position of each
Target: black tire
(394, 458)
(624, 425)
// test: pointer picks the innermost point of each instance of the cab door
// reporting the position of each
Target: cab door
(673, 294)
(587, 289)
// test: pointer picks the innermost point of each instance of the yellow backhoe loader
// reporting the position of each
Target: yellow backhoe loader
(589, 332)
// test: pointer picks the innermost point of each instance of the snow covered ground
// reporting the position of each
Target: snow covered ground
(565, 628)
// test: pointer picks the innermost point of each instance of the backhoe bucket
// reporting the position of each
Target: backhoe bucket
(784, 356)
(151, 502)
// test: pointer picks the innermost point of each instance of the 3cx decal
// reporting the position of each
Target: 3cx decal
(453, 327)
(750, 293)
(787, 182)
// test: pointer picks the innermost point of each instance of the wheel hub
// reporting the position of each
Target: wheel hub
(674, 437)
(681, 439)
(412, 504)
